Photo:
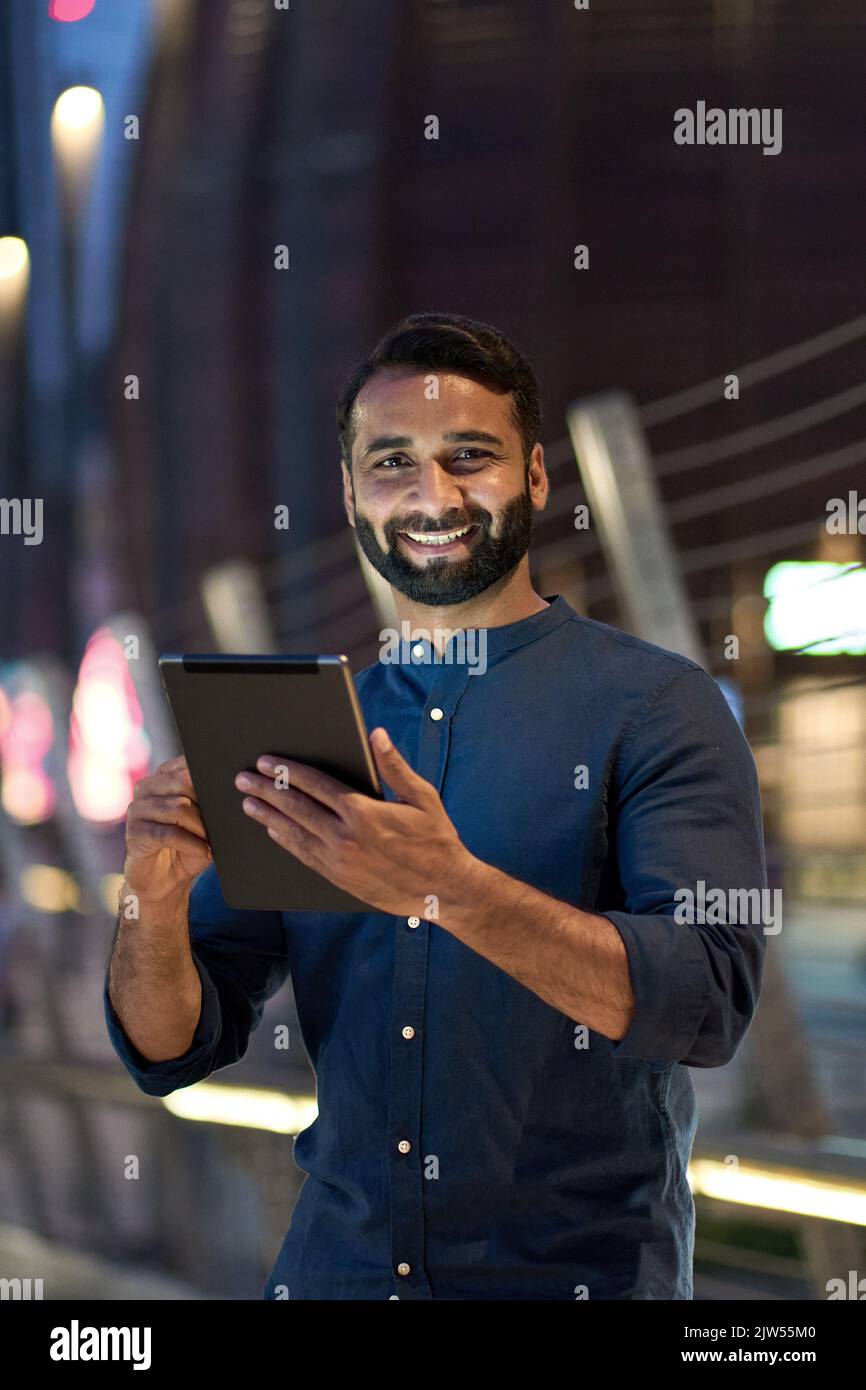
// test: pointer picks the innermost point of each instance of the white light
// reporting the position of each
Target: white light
(247, 1107)
(77, 108)
(816, 605)
(779, 1190)
(77, 123)
(14, 280)
(14, 257)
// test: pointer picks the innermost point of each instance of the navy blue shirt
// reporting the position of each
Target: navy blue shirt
(472, 1141)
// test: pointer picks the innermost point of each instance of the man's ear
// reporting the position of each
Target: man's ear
(539, 485)
(348, 493)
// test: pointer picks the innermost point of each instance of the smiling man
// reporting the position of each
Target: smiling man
(503, 1045)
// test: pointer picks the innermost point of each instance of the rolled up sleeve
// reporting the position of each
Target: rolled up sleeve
(686, 811)
(242, 960)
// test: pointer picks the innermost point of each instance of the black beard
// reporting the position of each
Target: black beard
(442, 583)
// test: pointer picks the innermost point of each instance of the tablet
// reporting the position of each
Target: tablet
(229, 710)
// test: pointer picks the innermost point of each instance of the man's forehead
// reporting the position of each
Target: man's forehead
(428, 401)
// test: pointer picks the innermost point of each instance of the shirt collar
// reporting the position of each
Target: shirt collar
(511, 635)
(498, 640)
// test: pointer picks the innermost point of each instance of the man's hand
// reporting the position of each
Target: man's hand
(166, 842)
(393, 855)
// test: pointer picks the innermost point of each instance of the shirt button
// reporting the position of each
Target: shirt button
(408, 1031)
(417, 651)
(414, 922)
(404, 1268)
(436, 714)
(404, 1146)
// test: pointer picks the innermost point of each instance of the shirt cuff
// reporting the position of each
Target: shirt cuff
(670, 980)
(161, 1078)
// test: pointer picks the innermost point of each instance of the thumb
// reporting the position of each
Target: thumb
(394, 769)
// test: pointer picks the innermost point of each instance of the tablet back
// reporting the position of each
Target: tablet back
(231, 709)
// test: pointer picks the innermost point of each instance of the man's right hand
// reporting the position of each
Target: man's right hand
(166, 842)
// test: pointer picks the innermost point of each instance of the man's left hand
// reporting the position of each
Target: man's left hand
(395, 855)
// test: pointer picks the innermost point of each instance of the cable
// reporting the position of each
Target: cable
(782, 427)
(703, 558)
(762, 370)
(790, 475)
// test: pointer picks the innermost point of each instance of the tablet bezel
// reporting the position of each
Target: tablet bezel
(180, 667)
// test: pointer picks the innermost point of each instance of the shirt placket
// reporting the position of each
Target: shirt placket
(406, 1098)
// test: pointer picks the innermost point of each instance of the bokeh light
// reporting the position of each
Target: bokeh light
(108, 747)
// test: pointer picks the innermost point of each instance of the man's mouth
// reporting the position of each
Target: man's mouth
(438, 540)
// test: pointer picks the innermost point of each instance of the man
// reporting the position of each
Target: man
(503, 1046)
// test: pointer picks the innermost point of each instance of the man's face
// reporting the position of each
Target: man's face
(423, 469)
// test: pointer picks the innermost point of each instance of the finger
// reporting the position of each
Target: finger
(173, 764)
(403, 780)
(171, 837)
(292, 803)
(165, 781)
(168, 810)
(173, 775)
(287, 833)
(324, 789)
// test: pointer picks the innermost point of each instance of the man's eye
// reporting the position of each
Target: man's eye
(467, 455)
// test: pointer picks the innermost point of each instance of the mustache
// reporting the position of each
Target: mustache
(426, 523)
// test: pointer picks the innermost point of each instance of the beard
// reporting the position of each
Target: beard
(441, 583)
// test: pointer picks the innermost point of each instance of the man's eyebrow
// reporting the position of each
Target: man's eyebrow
(388, 441)
(466, 436)
(404, 441)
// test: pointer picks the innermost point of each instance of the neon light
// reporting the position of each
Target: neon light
(108, 747)
(69, 11)
(817, 606)
(26, 735)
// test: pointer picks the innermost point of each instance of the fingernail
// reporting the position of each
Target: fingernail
(243, 781)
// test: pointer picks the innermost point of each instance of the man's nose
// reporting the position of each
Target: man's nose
(437, 491)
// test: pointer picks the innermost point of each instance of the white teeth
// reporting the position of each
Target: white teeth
(428, 539)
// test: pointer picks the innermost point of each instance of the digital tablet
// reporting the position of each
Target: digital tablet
(229, 710)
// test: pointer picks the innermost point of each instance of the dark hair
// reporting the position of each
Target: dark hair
(449, 342)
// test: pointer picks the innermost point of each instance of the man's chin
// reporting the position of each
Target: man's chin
(461, 583)
(444, 581)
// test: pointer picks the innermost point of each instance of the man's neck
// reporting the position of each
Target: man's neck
(507, 602)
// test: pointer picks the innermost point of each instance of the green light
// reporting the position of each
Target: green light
(817, 606)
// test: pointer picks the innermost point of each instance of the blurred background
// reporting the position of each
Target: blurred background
(208, 212)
